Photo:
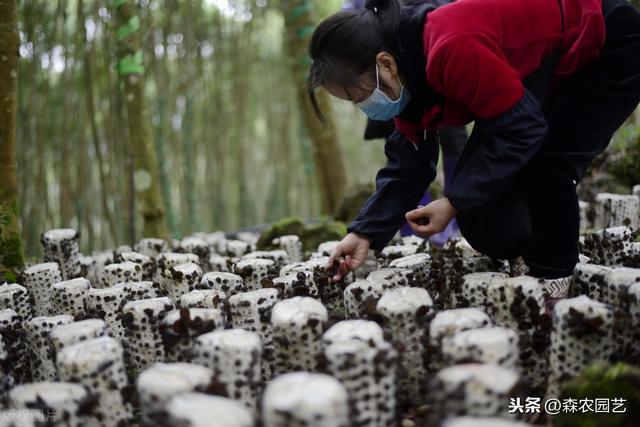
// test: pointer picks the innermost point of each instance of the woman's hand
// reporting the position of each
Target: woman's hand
(354, 249)
(432, 218)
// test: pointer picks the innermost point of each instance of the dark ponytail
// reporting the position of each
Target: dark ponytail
(345, 45)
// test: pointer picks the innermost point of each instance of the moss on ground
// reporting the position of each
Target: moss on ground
(351, 203)
(311, 235)
(11, 255)
(620, 381)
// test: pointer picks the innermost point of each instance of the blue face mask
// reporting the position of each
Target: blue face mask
(378, 106)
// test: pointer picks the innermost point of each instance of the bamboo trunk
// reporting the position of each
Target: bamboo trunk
(330, 168)
(88, 79)
(162, 77)
(11, 256)
(131, 70)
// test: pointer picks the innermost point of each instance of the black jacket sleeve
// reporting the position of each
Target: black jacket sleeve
(376, 129)
(399, 187)
(497, 149)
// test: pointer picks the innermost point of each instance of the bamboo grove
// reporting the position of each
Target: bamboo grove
(220, 98)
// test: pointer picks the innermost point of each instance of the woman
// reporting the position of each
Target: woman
(547, 83)
(452, 141)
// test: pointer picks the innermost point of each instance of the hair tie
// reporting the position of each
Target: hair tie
(372, 7)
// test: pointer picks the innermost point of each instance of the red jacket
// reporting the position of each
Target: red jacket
(478, 51)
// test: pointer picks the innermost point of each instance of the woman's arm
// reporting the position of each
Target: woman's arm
(399, 187)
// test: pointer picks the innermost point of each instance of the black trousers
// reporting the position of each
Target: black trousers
(538, 216)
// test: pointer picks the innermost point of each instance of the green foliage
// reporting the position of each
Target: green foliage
(626, 167)
(603, 381)
(9, 277)
(5, 218)
(11, 257)
(327, 7)
(11, 254)
(617, 168)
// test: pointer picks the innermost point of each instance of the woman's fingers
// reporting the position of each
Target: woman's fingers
(423, 230)
(335, 254)
(418, 219)
(421, 222)
(346, 257)
(414, 215)
(344, 267)
(336, 267)
(420, 216)
(342, 271)
(349, 262)
(333, 266)
(352, 262)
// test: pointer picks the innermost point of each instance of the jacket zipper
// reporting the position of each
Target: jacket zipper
(424, 138)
